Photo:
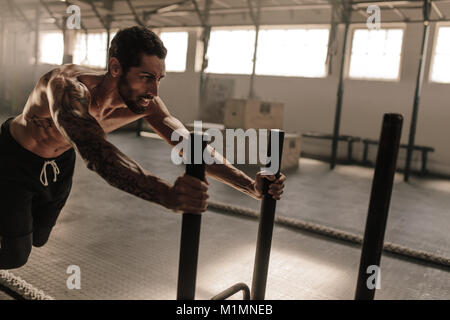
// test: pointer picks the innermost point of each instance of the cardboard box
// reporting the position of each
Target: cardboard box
(291, 147)
(290, 157)
(256, 114)
(291, 151)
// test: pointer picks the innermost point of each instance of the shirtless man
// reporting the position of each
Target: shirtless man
(72, 109)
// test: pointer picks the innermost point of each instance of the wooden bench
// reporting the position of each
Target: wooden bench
(423, 149)
(326, 136)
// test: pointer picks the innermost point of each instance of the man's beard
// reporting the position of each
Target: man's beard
(124, 92)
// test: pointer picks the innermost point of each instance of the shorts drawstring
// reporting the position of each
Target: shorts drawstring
(56, 171)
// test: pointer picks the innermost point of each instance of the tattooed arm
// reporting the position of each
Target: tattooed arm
(69, 106)
(222, 170)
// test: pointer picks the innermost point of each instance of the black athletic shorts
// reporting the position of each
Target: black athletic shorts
(33, 190)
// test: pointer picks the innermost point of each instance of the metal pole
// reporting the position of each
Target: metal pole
(204, 18)
(417, 93)
(233, 290)
(69, 39)
(251, 93)
(256, 21)
(190, 229)
(340, 93)
(379, 204)
(266, 221)
(36, 37)
(203, 77)
(139, 125)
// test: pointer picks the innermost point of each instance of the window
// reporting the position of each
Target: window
(231, 51)
(376, 54)
(90, 49)
(51, 46)
(440, 69)
(176, 44)
(292, 52)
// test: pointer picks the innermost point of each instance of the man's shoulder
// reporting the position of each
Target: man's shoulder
(64, 78)
(66, 92)
(63, 71)
(72, 73)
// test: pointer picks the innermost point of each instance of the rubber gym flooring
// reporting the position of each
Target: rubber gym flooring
(128, 248)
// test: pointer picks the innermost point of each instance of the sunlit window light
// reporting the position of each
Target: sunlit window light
(91, 50)
(440, 70)
(176, 44)
(292, 52)
(376, 54)
(51, 48)
(231, 51)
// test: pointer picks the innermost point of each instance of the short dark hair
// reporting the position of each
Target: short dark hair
(129, 44)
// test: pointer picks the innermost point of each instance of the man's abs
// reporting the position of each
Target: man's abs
(34, 129)
(38, 135)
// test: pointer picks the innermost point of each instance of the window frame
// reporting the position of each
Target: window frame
(348, 51)
(433, 51)
(39, 62)
(94, 31)
(229, 28)
(293, 27)
(158, 32)
(273, 27)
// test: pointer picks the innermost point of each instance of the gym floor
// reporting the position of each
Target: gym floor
(128, 248)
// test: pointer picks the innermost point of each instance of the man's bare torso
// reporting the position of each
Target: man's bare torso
(35, 130)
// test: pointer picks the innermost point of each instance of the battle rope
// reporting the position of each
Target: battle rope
(334, 233)
(21, 287)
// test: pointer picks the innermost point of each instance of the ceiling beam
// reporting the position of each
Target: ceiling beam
(173, 10)
(438, 12)
(363, 13)
(46, 7)
(161, 9)
(399, 13)
(107, 4)
(165, 8)
(136, 17)
(97, 14)
(158, 19)
(362, 4)
(13, 6)
(252, 11)
(222, 4)
(197, 10)
(237, 10)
